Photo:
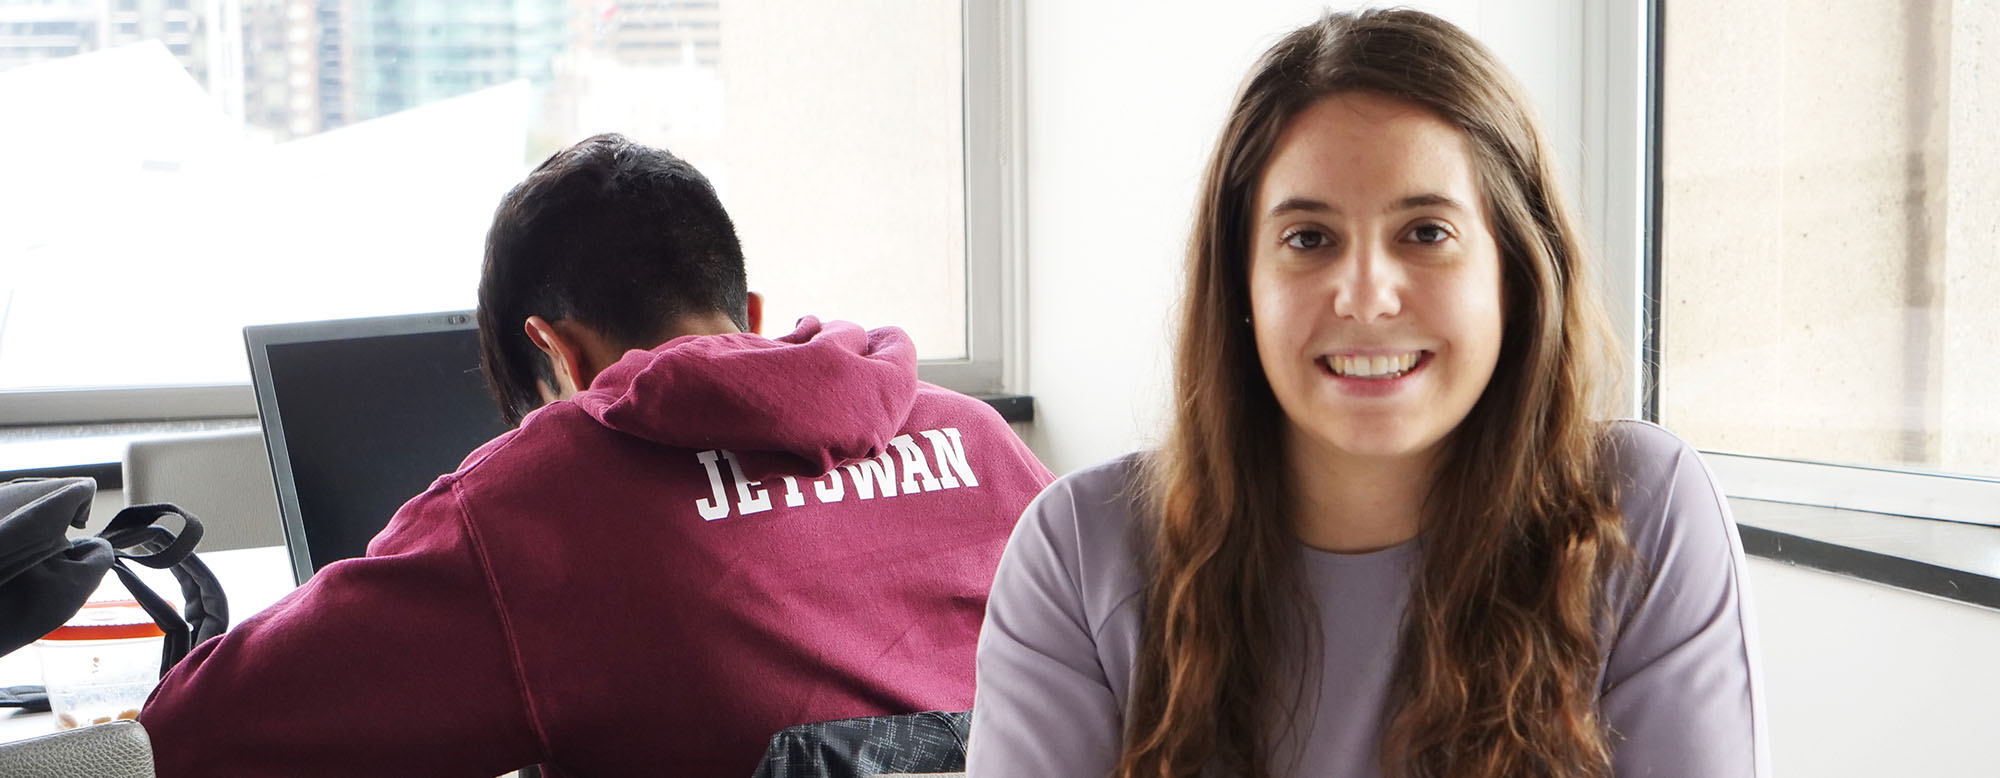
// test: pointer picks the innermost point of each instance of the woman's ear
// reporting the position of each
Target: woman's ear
(756, 311)
(564, 353)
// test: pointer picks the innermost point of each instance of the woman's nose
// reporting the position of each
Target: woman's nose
(1367, 285)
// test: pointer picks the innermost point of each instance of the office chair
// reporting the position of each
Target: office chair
(224, 478)
(116, 750)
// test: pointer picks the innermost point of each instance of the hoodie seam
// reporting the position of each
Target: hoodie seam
(506, 624)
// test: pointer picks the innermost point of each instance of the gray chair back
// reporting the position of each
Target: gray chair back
(223, 478)
(116, 750)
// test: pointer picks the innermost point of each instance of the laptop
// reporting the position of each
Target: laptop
(359, 416)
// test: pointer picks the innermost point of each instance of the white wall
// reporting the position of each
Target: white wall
(1864, 681)
(1123, 105)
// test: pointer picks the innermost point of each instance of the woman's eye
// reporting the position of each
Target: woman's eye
(1307, 240)
(1429, 233)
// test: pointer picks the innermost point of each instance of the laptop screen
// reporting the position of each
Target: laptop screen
(359, 416)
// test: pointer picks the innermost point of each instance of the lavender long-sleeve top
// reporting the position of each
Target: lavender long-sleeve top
(1681, 686)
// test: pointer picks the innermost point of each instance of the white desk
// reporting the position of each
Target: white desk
(253, 578)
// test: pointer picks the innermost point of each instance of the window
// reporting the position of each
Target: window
(1829, 203)
(864, 164)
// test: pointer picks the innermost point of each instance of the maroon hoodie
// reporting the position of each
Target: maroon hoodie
(724, 536)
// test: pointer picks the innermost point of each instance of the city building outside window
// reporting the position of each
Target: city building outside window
(284, 160)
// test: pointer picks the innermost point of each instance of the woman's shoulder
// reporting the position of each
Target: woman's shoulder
(1647, 464)
(1636, 448)
(1105, 482)
(1092, 524)
(1674, 509)
(1096, 506)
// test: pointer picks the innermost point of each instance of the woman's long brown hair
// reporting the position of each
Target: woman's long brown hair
(1499, 654)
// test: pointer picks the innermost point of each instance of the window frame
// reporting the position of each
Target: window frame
(991, 57)
(1624, 78)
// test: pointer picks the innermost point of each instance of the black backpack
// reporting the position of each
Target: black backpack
(928, 742)
(45, 576)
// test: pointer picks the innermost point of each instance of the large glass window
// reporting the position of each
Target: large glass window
(305, 159)
(1829, 220)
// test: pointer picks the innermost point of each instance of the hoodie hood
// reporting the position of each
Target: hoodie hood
(827, 394)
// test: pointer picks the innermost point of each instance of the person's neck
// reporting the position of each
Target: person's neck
(597, 351)
(1349, 504)
(706, 323)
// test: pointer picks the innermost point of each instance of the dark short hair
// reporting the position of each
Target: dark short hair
(616, 235)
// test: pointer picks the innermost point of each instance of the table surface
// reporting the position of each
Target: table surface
(253, 578)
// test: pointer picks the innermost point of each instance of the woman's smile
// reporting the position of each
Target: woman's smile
(1377, 375)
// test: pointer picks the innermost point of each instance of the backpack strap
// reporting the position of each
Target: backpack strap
(207, 608)
(136, 525)
(176, 644)
(137, 536)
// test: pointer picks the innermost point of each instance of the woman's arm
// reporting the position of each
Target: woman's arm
(1683, 691)
(1044, 706)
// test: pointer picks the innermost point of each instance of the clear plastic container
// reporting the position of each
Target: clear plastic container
(100, 666)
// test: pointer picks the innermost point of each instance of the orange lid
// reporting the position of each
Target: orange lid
(109, 620)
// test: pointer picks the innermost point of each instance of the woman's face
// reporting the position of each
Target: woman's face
(1374, 279)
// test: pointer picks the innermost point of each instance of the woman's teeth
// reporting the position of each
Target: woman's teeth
(1375, 367)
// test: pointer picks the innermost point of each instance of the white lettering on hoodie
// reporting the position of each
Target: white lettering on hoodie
(828, 488)
(716, 507)
(870, 476)
(950, 456)
(751, 496)
(916, 473)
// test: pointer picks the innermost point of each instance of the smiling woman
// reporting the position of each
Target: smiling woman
(1375, 293)
(1389, 535)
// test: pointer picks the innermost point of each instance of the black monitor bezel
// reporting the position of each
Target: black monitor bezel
(258, 338)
